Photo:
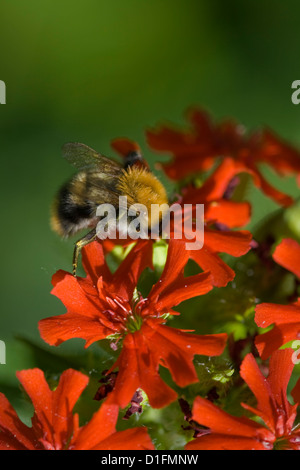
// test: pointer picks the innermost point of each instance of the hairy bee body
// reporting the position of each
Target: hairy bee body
(76, 203)
(70, 212)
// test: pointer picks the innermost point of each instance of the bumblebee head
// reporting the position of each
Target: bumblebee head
(130, 151)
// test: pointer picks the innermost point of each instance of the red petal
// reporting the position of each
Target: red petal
(125, 146)
(230, 213)
(68, 391)
(215, 186)
(13, 432)
(287, 254)
(187, 163)
(35, 385)
(173, 287)
(192, 151)
(8, 442)
(282, 156)
(69, 290)
(182, 289)
(267, 314)
(225, 442)
(280, 370)
(296, 392)
(287, 321)
(201, 123)
(277, 196)
(269, 342)
(128, 380)
(208, 260)
(260, 387)
(271, 394)
(99, 428)
(55, 330)
(176, 260)
(175, 349)
(233, 243)
(209, 415)
(125, 279)
(93, 261)
(139, 369)
(131, 439)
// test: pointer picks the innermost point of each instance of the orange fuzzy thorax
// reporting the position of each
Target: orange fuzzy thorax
(142, 187)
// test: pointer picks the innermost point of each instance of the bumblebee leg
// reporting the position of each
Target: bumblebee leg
(88, 238)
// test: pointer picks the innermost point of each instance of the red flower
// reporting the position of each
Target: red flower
(287, 254)
(105, 305)
(286, 318)
(156, 344)
(227, 432)
(197, 150)
(218, 208)
(220, 215)
(287, 326)
(54, 427)
(192, 151)
(216, 241)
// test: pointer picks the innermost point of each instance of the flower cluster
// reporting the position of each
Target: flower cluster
(138, 308)
(54, 427)
(198, 148)
(105, 305)
(277, 427)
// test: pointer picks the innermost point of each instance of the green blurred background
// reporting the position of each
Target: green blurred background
(90, 71)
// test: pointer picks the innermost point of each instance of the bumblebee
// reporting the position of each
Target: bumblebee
(101, 180)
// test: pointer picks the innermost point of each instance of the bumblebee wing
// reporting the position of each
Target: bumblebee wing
(96, 187)
(83, 157)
